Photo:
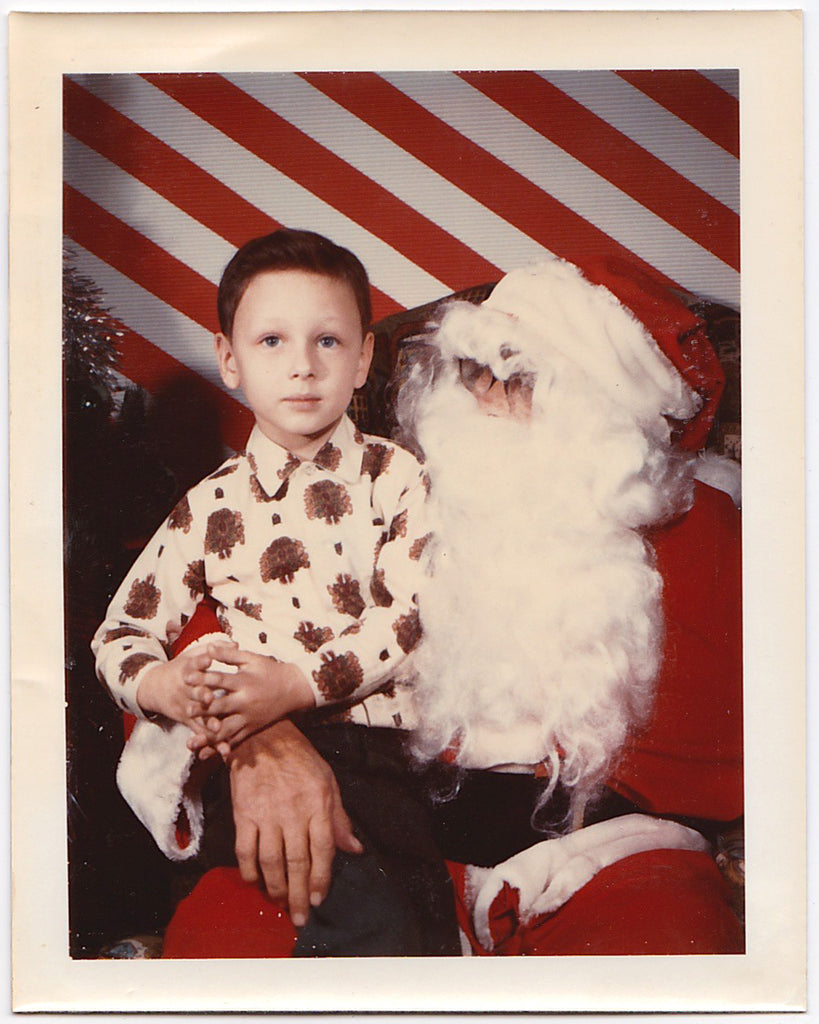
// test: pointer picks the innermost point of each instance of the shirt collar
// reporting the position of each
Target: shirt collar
(341, 455)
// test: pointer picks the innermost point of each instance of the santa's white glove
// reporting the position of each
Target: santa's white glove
(549, 873)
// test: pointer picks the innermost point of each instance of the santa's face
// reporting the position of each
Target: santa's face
(511, 397)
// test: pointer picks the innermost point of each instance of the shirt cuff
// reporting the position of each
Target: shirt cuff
(309, 664)
(126, 696)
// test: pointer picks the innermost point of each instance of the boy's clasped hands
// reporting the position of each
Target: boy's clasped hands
(223, 694)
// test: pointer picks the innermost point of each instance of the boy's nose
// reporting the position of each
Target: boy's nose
(303, 363)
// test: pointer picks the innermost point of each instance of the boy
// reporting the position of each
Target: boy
(310, 544)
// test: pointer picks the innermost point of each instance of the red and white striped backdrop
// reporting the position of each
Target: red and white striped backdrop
(437, 180)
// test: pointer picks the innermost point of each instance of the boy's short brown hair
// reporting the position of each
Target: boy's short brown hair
(291, 249)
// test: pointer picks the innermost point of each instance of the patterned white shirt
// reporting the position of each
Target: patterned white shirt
(313, 562)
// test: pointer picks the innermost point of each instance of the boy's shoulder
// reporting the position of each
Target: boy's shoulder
(231, 464)
(384, 457)
(232, 470)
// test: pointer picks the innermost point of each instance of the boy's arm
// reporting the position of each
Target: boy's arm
(147, 613)
(369, 652)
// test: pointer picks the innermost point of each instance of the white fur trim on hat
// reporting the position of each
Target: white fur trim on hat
(589, 326)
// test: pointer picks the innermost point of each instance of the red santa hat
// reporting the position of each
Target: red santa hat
(679, 332)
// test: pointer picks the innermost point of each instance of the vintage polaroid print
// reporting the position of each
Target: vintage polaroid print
(630, 157)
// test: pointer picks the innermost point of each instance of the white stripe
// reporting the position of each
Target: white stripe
(392, 167)
(572, 183)
(260, 184)
(655, 129)
(144, 210)
(141, 311)
(725, 78)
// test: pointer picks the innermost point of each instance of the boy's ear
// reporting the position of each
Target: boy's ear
(365, 359)
(227, 361)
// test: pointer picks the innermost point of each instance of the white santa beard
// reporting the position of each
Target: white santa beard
(542, 622)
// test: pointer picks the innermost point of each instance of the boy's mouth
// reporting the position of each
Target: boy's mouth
(302, 399)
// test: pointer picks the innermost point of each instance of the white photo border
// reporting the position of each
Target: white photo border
(766, 48)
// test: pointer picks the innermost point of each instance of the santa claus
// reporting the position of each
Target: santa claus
(560, 442)
(575, 703)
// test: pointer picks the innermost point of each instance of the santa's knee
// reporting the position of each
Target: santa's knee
(662, 902)
(227, 918)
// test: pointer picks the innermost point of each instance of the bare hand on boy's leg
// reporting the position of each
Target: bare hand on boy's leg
(289, 817)
(261, 691)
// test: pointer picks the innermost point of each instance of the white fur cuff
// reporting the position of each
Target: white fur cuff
(151, 776)
(153, 772)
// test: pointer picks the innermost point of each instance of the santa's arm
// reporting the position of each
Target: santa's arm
(549, 873)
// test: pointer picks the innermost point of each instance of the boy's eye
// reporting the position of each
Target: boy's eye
(327, 341)
(271, 340)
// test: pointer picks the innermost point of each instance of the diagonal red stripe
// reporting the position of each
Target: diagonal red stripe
(139, 258)
(153, 369)
(478, 173)
(612, 155)
(179, 180)
(694, 99)
(327, 176)
(160, 167)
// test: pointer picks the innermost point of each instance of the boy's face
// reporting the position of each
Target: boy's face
(297, 352)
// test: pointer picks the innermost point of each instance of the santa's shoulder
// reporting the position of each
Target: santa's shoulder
(721, 474)
(707, 534)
